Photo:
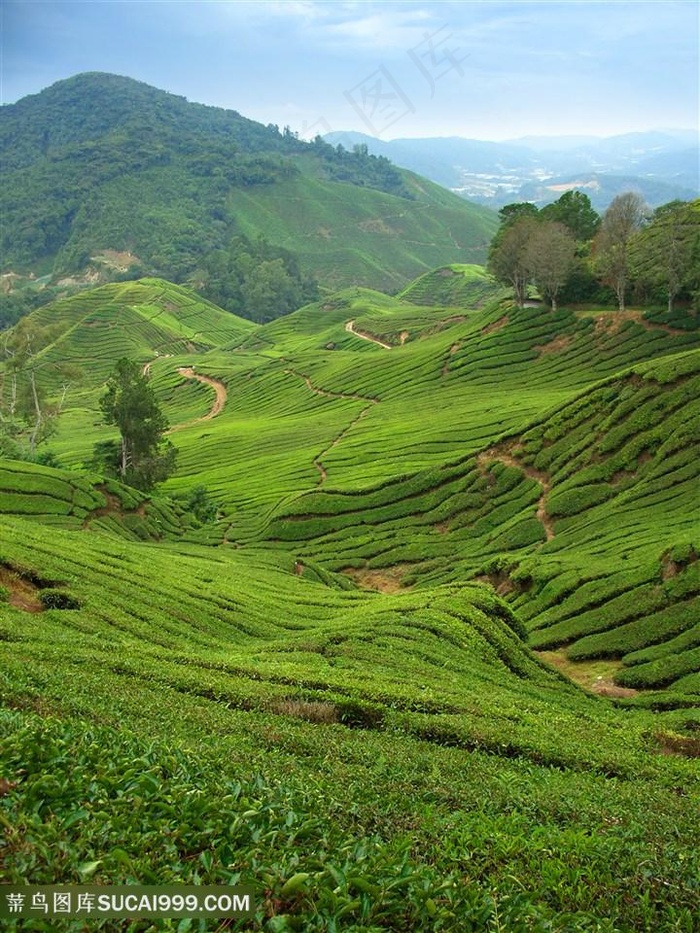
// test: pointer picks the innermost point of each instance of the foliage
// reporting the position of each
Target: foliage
(23, 397)
(550, 258)
(142, 458)
(201, 505)
(358, 167)
(665, 254)
(574, 210)
(254, 280)
(99, 162)
(621, 220)
(509, 258)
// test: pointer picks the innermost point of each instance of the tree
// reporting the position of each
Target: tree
(550, 256)
(142, 458)
(666, 253)
(574, 210)
(621, 220)
(23, 396)
(508, 257)
(510, 213)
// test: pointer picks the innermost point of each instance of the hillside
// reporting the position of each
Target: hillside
(99, 165)
(330, 690)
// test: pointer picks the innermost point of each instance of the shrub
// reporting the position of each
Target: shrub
(58, 599)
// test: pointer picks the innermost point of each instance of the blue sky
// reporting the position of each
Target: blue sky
(485, 70)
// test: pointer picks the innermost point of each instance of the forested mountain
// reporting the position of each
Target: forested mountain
(102, 163)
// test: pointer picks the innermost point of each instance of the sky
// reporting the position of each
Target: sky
(482, 70)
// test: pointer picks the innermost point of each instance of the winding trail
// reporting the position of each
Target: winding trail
(350, 328)
(485, 459)
(317, 461)
(219, 401)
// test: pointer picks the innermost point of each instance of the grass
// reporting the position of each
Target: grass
(334, 681)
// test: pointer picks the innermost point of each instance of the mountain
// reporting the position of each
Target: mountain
(101, 164)
(433, 662)
(661, 166)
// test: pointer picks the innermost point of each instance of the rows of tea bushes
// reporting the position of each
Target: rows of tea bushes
(79, 500)
(139, 320)
(235, 704)
(618, 456)
(454, 286)
(398, 761)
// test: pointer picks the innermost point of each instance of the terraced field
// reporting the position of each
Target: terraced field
(329, 691)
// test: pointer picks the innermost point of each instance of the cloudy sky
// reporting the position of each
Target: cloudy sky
(485, 70)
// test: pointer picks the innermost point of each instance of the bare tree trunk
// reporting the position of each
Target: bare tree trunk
(37, 411)
(64, 389)
(13, 396)
(620, 290)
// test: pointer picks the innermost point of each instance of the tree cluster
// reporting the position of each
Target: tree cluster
(566, 250)
(254, 279)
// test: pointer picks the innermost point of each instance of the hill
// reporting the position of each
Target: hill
(330, 691)
(99, 165)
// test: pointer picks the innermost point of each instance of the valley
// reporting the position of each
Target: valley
(435, 657)
(348, 530)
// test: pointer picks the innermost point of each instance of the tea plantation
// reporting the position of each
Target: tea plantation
(358, 688)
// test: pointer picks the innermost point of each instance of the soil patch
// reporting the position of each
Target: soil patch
(595, 676)
(504, 455)
(497, 325)
(22, 593)
(386, 580)
(563, 342)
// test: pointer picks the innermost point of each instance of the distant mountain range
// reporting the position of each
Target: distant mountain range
(660, 165)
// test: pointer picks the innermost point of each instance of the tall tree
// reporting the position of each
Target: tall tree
(622, 219)
(509, 213)
(508, 257)
(143, 458)
(666, 253)
(550, 256)
(575, 211)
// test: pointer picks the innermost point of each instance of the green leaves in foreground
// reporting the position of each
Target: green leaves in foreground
(84, 804)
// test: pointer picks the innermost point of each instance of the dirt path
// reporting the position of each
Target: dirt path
(504, 456)
(219, 401)
(147, 366)
(317, 462)
(350, 328)
(612, 322)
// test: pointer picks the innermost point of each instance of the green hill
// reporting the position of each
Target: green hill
(143, 319)
(330, 691)
(99, 165)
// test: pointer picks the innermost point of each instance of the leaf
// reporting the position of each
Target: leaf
(121, 856)
(74, 818)
(294, 883)
(88, 869)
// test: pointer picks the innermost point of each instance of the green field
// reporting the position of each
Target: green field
(358, 689)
